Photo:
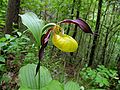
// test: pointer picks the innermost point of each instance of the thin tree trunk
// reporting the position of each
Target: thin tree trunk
(111, 23)
(111, 52)
(118, 65)
(75, 31)
(94, 45)
(86, 49)
(104, 21)
(12, 15)
(89, 45)
(104, 48)
(72, 12)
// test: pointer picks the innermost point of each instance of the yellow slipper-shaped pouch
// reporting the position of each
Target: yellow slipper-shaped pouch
(64, 42)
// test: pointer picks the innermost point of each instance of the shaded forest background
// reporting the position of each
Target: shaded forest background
(103, 48)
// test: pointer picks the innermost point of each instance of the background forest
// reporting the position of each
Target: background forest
(94, 66)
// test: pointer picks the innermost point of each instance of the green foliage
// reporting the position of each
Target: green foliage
(3, 5)
(2, 66)
(34, 24)
(30, 5)
(6, 42)
(25, 51)
(13, 44)
(71, 86)
(53, 85)
(13, 49)
(2, 59)
(6, 78)
(100, 77)
(29, 80)
(118, 86)
(29, 58)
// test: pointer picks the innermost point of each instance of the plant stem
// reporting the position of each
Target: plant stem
(39, 79)
(39, 70)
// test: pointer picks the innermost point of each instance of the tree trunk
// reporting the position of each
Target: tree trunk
(109, 29)
(75, 31)
(118, 65)
(104, 48)
(94, 45)
(12, 15)
(72, 12)
(112, 50)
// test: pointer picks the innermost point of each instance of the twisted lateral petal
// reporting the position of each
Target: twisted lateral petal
(81, 23)
(65, 43)
(44, 42)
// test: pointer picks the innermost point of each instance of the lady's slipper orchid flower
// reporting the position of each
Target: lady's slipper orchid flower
(65, 42)
(62, 41)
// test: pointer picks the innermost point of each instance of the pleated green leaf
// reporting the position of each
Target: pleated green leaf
(25, 88)
(29, 80)
(53, 85)
(34, 24)
(71, 86)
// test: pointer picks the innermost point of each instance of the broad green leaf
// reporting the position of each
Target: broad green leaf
(34, 24)
(101, 80)
(24, 88)
(2, 59)
(2, 44)
(3, 39)
(29, 80)
(7, 36)
(71, 86)
(53, 85)
(19, 33)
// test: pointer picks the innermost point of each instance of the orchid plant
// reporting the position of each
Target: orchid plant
(62, 41)
(42, 33)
